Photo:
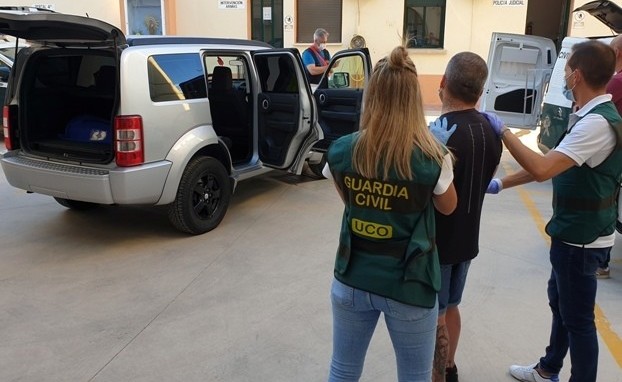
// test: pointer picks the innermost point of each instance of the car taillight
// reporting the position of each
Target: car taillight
(128, 140)
(6, 128)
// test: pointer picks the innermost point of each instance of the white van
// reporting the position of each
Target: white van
(526, 77)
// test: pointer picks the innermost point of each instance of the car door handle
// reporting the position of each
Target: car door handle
(322, 98)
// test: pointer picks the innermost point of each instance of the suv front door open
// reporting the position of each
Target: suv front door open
(339, 95)
(284, 109)
(519, 69)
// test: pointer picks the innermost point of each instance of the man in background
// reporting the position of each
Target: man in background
(614, 87)
(316, 58)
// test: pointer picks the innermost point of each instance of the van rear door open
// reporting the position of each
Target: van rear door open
(519, 68)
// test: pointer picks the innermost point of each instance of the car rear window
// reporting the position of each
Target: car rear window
(69, 71)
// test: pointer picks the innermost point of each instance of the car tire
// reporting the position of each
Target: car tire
(77, 205)
(202, 198)
(317, 168)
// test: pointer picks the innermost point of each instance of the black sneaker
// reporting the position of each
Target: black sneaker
(451, 374)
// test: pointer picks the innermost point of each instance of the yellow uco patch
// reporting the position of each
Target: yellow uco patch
(372, 230)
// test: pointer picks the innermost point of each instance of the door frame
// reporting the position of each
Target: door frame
(276, 18)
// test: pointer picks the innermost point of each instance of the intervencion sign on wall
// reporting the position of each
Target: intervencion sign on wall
(509, 2)
(44, 6)
(232, 4)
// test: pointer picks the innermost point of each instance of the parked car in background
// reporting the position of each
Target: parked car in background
(7, 56)
(92, 117)
(5, 69)
(8, 48)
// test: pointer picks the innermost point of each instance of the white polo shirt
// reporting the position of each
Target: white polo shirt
(590, 141)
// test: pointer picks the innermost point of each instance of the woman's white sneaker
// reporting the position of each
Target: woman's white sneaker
(530, 374)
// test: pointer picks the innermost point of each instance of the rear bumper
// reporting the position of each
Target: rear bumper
(127, 185)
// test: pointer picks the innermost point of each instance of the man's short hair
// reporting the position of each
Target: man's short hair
(595, 60)
(465, 76)
(320, 32)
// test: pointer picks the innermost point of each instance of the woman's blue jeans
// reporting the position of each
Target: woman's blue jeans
(355, 315)
(572, 296)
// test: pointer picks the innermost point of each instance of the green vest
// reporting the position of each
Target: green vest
(387, 245)
(585, 198)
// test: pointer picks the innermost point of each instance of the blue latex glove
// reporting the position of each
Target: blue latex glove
(439, 129)
(495, 186)
(495, 122)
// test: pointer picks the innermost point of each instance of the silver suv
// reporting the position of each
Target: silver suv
(92, 117)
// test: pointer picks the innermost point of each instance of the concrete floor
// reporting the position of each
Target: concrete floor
(117, 294)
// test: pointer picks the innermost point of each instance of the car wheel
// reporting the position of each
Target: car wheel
(75, 204)
(317, 168)
(202, 198)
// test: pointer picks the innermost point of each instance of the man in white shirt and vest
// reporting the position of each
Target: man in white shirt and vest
(585, 167)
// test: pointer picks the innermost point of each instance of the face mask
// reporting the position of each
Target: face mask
(568, 92)
(322, 46)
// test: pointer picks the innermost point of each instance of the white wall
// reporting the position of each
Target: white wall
(106, 10)
(204, 18)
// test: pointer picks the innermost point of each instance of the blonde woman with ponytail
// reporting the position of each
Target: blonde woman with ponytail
(391, 175)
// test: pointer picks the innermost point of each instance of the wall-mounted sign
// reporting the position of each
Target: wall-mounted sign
(578, 23)
(288, 22)
(509, 2)
(267, 13)
(232, 4)
(44, 6)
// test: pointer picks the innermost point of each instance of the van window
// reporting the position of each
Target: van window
(515, 64)
(174, 77)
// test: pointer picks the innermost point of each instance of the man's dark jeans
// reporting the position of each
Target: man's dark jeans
(572, 296)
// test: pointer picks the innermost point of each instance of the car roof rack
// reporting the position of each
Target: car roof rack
(20, 9)
(161, 40)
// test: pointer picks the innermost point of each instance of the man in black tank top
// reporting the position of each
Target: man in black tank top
(477, 151)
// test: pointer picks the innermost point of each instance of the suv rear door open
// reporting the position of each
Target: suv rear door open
(519, 68)
(284, 109)
(60, 29)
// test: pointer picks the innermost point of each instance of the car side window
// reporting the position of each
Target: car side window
(226, 72)
(347, 72)
(277, 74)
(174, 77)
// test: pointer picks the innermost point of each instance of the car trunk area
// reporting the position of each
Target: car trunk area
(67, 104)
